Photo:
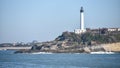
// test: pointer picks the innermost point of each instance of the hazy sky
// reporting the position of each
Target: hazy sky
(44, 20)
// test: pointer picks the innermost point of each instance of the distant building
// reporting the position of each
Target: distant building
(113, 29)
(103, 30)
(118, 29)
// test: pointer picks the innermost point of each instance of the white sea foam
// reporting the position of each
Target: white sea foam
(102, 52)
(42, 53)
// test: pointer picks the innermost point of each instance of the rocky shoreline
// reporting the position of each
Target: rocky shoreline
(86, 49)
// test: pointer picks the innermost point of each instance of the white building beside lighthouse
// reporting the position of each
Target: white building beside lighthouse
(81, 29)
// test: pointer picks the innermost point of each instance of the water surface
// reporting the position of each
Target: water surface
(10, 60)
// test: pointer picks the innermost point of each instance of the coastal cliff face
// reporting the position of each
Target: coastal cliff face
(70, 42)
(114, 47)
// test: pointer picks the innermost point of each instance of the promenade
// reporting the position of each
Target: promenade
(14, 48)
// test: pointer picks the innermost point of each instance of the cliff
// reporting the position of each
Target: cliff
(114, 47)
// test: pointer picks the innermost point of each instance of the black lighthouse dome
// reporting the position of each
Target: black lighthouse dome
(81, 10)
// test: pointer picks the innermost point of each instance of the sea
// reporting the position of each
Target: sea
(58, 60)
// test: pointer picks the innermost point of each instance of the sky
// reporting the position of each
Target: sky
(44, 20)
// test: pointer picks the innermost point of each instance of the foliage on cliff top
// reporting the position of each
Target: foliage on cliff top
(89, 37)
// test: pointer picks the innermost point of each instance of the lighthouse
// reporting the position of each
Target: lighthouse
(81, 29)
(81, 18)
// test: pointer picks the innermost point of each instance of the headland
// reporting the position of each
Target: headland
(70, 42)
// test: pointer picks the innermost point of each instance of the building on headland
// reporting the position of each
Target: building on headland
(81, 29)
(103, 30)
(113, 29)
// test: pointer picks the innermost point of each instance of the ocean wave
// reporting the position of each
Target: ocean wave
(42, 53)
(101, 52)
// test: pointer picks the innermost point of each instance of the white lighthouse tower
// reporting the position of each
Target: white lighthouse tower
(81, 30)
